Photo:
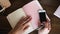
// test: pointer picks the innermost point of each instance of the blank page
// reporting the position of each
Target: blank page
(15, 16)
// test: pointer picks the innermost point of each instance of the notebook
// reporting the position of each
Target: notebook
(30, 9)
(57, 12)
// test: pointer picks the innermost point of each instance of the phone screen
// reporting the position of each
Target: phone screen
(42, 16)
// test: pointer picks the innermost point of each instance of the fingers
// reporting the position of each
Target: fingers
(48, 25)
(22, 21)
(26, 20)
(25, 25)
(39, 23)
(22, 24)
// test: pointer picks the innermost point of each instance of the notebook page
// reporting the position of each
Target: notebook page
(31, 9)
(15, 16)
(57, 12)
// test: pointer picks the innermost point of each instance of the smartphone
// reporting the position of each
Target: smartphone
(42, 15)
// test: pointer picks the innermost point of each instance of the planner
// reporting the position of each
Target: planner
(30, 9)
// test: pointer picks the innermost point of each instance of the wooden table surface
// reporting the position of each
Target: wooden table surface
(49, 5)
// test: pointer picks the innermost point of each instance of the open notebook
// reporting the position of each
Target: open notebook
(30, 9)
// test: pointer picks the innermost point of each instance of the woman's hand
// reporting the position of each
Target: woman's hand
(21, 26)
(46, 29)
